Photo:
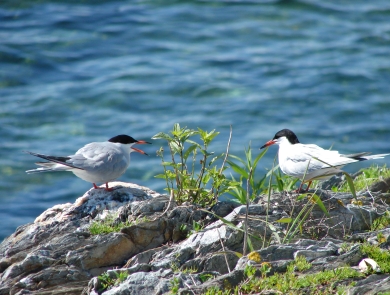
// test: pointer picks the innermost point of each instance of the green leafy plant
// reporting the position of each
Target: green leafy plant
(283, 182)
(184, 176)
(204, 277)
(108, 282)
(243, 168)
(249, 271)
(196, 226)
(175, 285)
(301, 263)
(295, 224)
(175, 267)
(381, 222)
(367, 177)
(290, 283)
(320, 283)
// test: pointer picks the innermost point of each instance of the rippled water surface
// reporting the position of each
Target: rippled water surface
(73, 72)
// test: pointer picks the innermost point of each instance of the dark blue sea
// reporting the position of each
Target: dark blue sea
(74, 72)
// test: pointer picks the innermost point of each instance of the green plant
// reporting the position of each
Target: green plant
(196, 226)
(175, 267)
(345, 247)
(121, 277)
(382, 257)
(295, 224)
(367, 177)
(107, 225)
(289, 283)
(283, 182)
(203, 277)
(107, 281)
(191, 269)
(321, 283)
(381, 222)
(180, 172)
(301, 263)
(175, 285)
(243, 169)
(249, 271)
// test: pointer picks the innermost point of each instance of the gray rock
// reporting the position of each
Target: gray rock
(374, 284)
(224, 208)
(58, 255)
(142, 283)
(382, 186)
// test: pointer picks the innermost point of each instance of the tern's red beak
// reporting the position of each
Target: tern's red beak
(140, 151)
(141, 142)
(268, 143)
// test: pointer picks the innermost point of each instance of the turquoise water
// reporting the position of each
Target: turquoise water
(73, 72)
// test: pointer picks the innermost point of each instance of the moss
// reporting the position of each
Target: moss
(334, 281)
(382, 257)
(107, 225)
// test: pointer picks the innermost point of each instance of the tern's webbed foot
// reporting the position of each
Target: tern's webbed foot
(108, 189)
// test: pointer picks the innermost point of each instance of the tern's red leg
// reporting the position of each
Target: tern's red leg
(307, 188)
(108, 189)
(299, 190)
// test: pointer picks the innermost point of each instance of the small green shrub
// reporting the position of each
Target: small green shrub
(190, 169)
(107, 225)
(382, 257)
(108, 282)
(369, 176)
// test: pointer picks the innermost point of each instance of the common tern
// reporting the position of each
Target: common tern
(310, 160)
(96, 162)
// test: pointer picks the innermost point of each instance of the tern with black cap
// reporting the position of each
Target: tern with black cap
(96, 162)
(309, 160)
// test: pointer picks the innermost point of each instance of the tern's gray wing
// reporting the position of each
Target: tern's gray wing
(99, 156)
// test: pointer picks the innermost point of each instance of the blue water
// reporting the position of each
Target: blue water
(73, 72)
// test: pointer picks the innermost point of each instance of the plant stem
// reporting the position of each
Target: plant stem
(246, 213)
(223, 163)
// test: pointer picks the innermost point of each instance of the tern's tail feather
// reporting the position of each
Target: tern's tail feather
(48, 167)
(39, 170)
(378, 156)
(365, 156)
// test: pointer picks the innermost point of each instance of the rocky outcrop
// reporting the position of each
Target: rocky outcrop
(185, 248)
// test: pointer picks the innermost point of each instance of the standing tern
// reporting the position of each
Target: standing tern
(310, 160)
(96, 162)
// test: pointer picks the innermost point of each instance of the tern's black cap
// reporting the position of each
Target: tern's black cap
(124, 139)
(292, 138)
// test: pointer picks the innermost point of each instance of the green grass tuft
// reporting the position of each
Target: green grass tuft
(368, 177)
(334, 281)
(382, 257)
(107, 225)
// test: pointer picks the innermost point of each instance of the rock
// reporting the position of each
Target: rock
(224, 208)
(144, 283)
(382, 186)
(185, 247)
(58, 250)
(374, 284)
(334, 181)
